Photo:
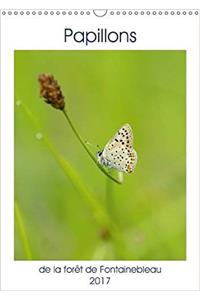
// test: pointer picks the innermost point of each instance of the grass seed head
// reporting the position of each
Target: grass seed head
(51, 91)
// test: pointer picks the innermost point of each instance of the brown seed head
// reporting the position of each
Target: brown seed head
(51, 91)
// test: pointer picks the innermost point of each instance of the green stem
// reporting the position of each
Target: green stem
(69, 171)
(100, 214)
(22, 232)
(87, 150)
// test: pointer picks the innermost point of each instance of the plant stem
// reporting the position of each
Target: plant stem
(87, 150)
(22, 231)
(100, 214)
(69, 171)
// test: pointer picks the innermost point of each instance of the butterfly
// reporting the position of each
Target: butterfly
(118, 152)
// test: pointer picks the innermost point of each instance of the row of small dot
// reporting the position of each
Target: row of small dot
(111, 12)
(46, 12)
(153, 12)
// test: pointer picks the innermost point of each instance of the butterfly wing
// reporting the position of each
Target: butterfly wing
(119, 150)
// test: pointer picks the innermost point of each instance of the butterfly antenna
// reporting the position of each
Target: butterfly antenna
(95, 146)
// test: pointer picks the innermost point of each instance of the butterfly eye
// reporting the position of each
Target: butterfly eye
(99, 153)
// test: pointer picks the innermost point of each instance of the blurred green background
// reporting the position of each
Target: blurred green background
(103, 90)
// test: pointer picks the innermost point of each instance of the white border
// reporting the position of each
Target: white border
(155, 32)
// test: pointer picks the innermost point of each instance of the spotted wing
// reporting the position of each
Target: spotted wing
(119, 150)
